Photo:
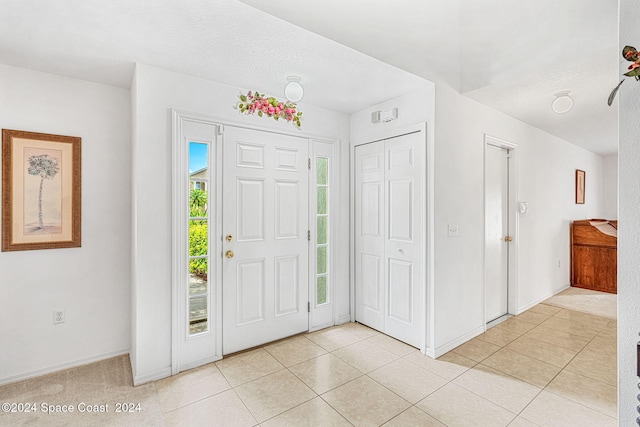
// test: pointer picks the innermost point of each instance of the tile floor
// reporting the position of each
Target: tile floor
(549, 366)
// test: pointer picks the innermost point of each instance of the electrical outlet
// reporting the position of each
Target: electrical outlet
(452, 230)
(58, 316)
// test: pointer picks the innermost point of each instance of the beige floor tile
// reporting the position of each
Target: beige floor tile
(571, 327)
(365, 356)
(549, 409)
(364, 402)
(269, 396)
(499, 337)
(532, 317)
(559, 338)
(523, 367)
(522, 422)
(294, 350)
(224, 409)
(548, 310)
(325, 372)
(334, 338)
(447, 366)
(589, 392)
(593, 365)
(501, 389)
(476, 349)
(457, 407)
(541, 350)
(591, 320)
(515, 324)
(310, 414)
(407, 380)
(413, 417)
(359, 330)
(244, 367)
(390, 344)
(190, 386)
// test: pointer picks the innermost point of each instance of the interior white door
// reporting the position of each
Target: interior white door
(370, 240)
(404, 257)
(389, 235)
(496, 230)
(265, 246)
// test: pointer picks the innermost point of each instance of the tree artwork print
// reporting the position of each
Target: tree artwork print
(44, 167)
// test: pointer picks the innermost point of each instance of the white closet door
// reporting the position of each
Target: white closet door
(370, 241)
(389, 235)
(404, 230)
(265, 262)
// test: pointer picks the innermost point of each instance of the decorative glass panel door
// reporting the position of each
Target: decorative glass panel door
(196, 272)
(322, 268)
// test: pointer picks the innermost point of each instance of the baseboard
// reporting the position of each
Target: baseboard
(62, 366)
(152, 376)
(345, 318)
(439, 351)
(539, 300)
(429, 351)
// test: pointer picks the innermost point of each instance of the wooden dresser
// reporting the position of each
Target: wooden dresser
(594, 257)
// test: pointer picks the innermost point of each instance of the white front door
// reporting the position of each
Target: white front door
(496, 230)
(389, 235)
(265, 243)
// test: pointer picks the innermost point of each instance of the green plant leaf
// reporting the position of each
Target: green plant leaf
(260, 113)
(243, 98)
(633, 73)
(613, 93)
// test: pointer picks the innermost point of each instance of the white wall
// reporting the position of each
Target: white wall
(546, 180)
(90, 283)
(610, 187)
(155, 92)
(629, 225)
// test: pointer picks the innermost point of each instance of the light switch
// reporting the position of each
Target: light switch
(453, 230)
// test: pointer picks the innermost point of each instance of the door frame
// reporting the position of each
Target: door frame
(512, 300)
(178, 156)
(427, 312)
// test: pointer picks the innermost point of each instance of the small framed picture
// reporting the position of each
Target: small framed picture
(41, 191)
(580, 186)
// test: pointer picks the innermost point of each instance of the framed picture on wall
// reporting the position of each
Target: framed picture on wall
(580, 186)
(41, 191)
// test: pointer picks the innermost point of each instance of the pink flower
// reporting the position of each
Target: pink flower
(634, 66)
(264, 109)
(278, 110)
(271, 109)
(265, 102)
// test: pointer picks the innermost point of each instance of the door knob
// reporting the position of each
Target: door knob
(229, 254)
(229, 237)
(508, 238)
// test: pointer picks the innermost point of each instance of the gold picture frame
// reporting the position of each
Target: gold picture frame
(580, 186)
(41, 191)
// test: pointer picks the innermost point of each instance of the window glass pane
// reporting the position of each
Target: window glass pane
(198, 314)
(322, 167)
(198, 238)
(322, 200)
(322, 260)
(198, 283)
(322, 230)
(198, 202)
(321, 290)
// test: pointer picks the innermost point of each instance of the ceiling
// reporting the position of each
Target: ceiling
(511, 56)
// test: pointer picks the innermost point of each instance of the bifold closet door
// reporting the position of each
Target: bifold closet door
(389, 235)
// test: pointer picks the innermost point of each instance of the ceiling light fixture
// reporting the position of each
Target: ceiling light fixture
(563, 102)
(294, 90)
